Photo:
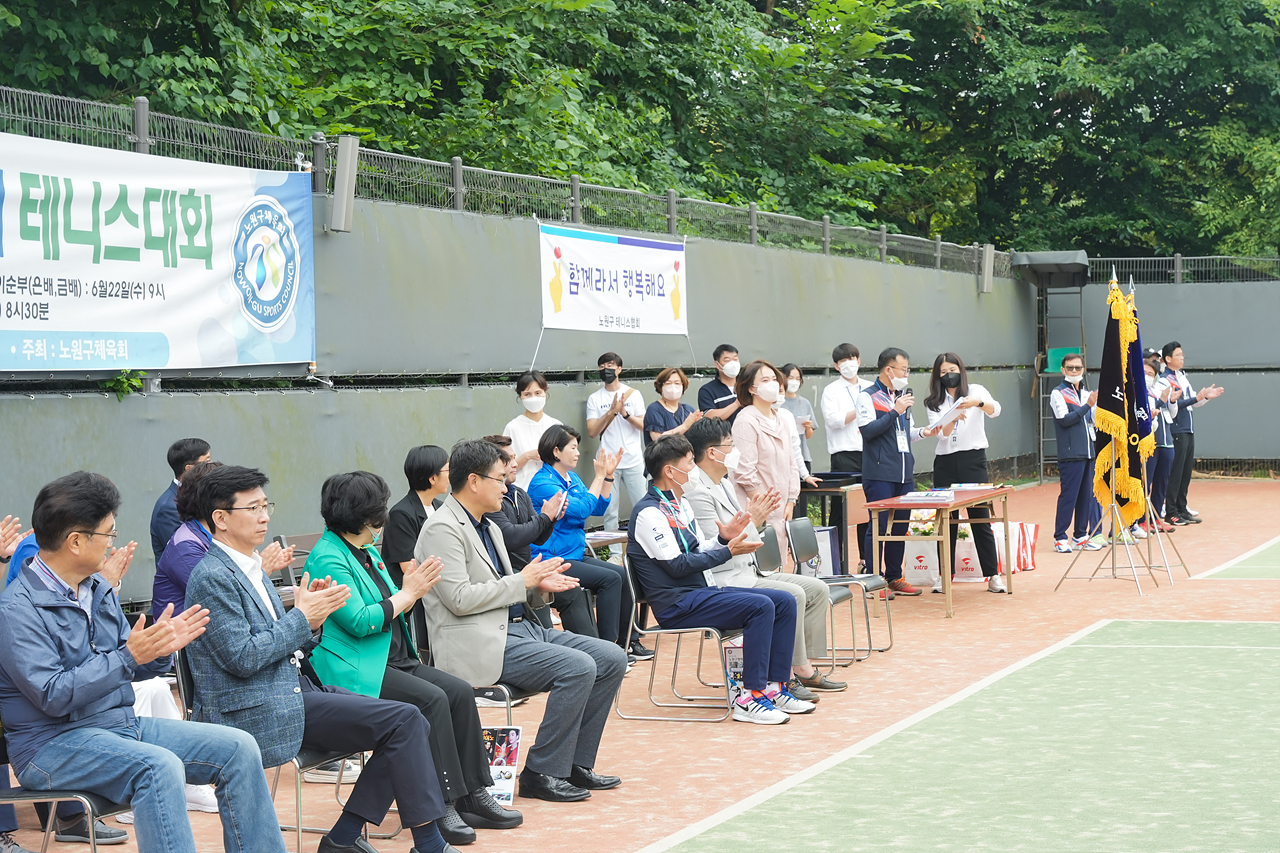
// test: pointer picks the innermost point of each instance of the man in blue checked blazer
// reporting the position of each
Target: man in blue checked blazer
(247, 673)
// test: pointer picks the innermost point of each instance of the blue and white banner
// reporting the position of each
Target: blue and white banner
(112, 260)
(592, 281)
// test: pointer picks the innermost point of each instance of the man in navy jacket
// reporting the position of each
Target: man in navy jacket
(183, 453)
(1073, 427)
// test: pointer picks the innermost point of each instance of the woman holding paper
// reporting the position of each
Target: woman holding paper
(963, 408)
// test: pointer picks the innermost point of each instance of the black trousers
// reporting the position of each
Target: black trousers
(968, 466)
(449, 705)
(851, 460)
(574, 608)
(1184, 459)
(613, 598)
(401, 769)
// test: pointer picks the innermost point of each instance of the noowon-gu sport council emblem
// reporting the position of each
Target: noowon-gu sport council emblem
(265, 268)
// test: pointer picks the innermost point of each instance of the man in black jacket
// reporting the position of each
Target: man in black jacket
(522, 527)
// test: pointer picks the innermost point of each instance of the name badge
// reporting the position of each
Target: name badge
(903, 447)
(709, 577)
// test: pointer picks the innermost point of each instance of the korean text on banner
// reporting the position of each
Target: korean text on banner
(113, 260)
(592, 281)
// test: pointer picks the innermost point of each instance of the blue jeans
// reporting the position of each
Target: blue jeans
(147, 767)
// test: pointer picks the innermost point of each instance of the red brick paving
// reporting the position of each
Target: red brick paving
(678, 773)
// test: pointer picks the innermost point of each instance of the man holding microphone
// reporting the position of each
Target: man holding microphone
(888, 466)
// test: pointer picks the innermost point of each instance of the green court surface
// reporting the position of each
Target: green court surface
(1264, 565)
(1138, 736)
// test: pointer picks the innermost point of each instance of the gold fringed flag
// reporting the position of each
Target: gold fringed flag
(1122, 418)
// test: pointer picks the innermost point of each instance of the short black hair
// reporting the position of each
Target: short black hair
(422, 463)
(218, 488)
(786, 373)
(472, 456)
(556, 438)
(665, 451)
(1072, 356)
(503, 443)
(844, 351)
(184, 452)
(185, 500)
(530, 377)
(1167, 349)
(608, 357)
(705, 433)
(721, 350)
(350, 501)
(77, 501)
(887, 355)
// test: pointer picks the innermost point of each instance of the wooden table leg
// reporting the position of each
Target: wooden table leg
(943, 527)
(1008, 535)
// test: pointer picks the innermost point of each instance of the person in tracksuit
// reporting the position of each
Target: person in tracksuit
(1073, 425)
(1164, 408)
(888, 467)
(1183, 428)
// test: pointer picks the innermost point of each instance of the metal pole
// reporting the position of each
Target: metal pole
(575, 200)
(937, 251)
(459, 191)
(753, 228)
(672, 221)
(319, 163)
(141, 120)
(1177, 268)
(884, 244)
(826, 234)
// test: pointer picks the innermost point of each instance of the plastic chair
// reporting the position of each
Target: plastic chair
(769, 555)
(721, 702)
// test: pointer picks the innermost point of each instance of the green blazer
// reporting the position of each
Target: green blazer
(354, 645)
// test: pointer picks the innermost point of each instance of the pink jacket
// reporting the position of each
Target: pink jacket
(766, 459)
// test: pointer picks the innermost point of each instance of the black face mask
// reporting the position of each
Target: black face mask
(607, 375)
(950, 380)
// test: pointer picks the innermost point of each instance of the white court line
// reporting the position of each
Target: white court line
(808, 773)
(1155, 646)
(1229, 563)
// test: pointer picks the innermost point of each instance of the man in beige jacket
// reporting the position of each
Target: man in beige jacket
(482, 630)
(712, 498)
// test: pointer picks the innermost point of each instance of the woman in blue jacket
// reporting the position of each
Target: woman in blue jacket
(558, 449)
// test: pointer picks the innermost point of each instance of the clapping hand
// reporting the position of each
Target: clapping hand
(693, 417)
(319, 598)
(275, 558)
(1211, 392)
(554, 505)
(735, 526)
(116, 566)
(1093, 399)
(547, 575)
(419, 578)
(10, 535)
(167, 635)
(762, 505)
(607, 463)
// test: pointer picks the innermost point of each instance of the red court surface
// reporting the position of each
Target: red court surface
(676, 774)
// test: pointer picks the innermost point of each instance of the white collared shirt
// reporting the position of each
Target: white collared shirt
(838, 400)
(252, 569)
(970, 433)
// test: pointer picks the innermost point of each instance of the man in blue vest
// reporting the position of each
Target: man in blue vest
(1072, 409)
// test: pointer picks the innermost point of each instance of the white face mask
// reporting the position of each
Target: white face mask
(731, 369)
(1074, 378)
(731, 459)
(849, 368)
(899, 382)
(673, 391)
(767, 391)
(533, 405)
(793, 385)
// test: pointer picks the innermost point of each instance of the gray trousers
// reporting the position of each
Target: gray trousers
(631, 479)
(813, 601)
(583, 675)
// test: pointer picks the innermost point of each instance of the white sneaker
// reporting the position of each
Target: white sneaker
(759, 710)
(1063, 546)
(200, 798)
(327, 774)
(784, 700)
(937, 584)
(1138, 532)
(995, 583)
(125, 817)
(1191, 511)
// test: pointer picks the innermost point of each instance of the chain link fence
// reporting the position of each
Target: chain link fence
(1184, 270)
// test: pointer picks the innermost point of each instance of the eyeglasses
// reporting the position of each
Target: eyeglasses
(1073, 368)
(502, 480)
(256, 509)
(718, 446)
(111, 537)
(905, 370)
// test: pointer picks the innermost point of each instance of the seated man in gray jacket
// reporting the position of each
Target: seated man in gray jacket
(482, 630)
(247, 673)
(65, 686)
(711, 497)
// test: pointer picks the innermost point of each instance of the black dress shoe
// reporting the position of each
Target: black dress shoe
(453, 828)
(361, 846)
(539, 786)
(585, 777)
(480, 810)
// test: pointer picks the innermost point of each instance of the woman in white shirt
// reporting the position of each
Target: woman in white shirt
(526, 428)
(961, 456)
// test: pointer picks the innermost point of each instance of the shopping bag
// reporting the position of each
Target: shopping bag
(920, 563)
(1022, 545)
(967, 568)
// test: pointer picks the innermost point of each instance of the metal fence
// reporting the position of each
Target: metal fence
(1185, 270)
(386, 176)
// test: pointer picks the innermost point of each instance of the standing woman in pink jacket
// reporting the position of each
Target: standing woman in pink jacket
(765, 459)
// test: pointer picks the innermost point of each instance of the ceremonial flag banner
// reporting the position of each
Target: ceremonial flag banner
(592, 281)
(113, 260)
(1125, 439)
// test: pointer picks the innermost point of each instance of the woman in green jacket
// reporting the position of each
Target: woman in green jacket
(367, 648)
